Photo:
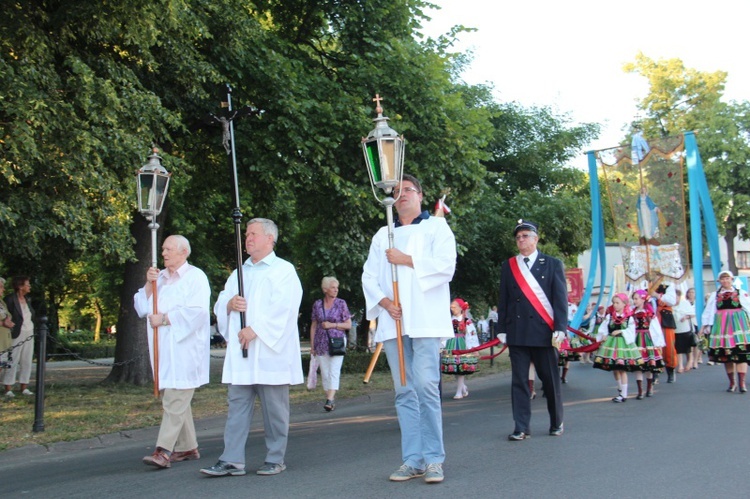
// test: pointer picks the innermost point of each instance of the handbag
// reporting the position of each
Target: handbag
(336, 346)
(667, 319)
(694, 341)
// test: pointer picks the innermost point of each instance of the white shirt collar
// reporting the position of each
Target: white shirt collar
(532, 258)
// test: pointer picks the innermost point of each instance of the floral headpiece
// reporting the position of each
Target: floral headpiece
(464, 306)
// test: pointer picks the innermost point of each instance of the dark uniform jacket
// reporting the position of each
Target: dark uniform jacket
(516, 315)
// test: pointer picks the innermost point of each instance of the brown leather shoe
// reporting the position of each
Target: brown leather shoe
(186, 455)
(159, 458)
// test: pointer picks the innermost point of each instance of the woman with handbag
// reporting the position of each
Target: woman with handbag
(330, 321)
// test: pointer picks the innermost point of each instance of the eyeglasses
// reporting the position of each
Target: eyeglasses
(398, 192)
(521, 237)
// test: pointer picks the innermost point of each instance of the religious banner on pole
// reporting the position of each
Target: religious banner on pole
(646, 194)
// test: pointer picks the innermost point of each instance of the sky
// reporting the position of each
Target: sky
(569, 55)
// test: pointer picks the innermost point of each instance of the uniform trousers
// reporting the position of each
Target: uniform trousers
(545, 362)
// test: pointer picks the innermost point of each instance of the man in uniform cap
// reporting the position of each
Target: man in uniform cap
(532, 316)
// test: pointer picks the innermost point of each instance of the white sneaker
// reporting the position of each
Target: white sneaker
(9, 394)
(26, 391)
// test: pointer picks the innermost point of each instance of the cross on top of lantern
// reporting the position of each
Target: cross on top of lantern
(153, 182)
(384, 153)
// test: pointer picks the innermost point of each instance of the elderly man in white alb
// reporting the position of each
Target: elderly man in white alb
(273, 293)
(425, 255)
(183, 298)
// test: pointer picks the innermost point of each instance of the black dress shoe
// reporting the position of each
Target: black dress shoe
(556, 432)
(518, 435)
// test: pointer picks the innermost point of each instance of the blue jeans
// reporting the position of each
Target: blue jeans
(418, 406)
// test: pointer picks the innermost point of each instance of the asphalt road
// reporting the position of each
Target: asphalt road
(690, 440)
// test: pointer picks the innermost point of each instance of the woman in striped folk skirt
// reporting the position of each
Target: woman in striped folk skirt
(726, 319)
(649, 339)
(617, 352)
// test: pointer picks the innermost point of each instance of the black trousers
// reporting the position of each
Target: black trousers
(545, 362)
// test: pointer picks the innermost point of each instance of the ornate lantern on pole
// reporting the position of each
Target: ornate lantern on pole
(384, 155)
(152, 184)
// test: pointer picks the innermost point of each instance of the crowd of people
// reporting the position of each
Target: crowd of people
(647, 333)
(418, 324)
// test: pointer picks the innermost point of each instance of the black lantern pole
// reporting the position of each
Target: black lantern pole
(384, 155)
(227, 124)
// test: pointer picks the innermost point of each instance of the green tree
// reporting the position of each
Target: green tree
(527, 177)
(680, 99)
(91, 84)
(73, 123)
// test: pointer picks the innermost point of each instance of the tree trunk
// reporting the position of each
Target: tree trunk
(729, 234)
(132, 361)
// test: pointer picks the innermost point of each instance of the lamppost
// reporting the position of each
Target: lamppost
(384, 155)
(152, 184)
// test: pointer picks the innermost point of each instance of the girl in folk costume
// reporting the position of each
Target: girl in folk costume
(649, 338)
(618, 352)
(726, 320)
(465, 338)
(666, 298)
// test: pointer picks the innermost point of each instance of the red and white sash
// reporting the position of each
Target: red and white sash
(532, 290)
